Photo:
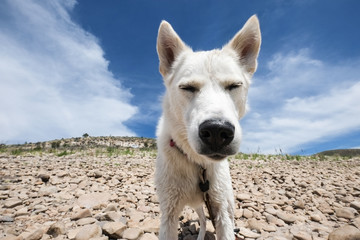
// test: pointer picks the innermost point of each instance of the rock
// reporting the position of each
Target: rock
(254, 224)
(88, 231)
(355, 205)
(22, 212)
(83, 213)
(115, 217)
(299, 204)
(85, 221)
(319, 191)
(238, 213)
(56, 229)
(92, 200)
(111, 208)
(114, 229)
(346, 212)
(286, 217)
(47, 190)
(151, 225)
(302, 236)
(6, 219)
(136, 216)
(33, 235)
(247, 213)
(11, 203)
(248, 233)
(132, 233)
(98, 174)
(315, 217)
(345, 233)
(271, 210)
(243, 197)
(44, 177)
(12, 237)
(149, 236)
(356, 222)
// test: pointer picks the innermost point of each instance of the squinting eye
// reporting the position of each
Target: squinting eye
(233, 86)
(188, 88)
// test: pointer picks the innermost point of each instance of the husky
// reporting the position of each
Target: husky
(206, 96)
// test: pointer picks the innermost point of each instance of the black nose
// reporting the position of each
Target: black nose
(216, 134)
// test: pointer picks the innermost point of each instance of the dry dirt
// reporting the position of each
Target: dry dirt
(104, 193)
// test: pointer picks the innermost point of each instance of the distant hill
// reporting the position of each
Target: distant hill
(341, 152)
(88, 142)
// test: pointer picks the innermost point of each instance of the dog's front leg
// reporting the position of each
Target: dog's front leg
(202, 218)
(169, 221)
(225, 220)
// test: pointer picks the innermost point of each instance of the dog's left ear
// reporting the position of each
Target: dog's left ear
(246, 44)
(169, 46)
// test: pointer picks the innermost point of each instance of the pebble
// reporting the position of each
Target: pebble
(346, 212)
(345, 233)
(56, 229)
(132, 233)
(83, 213)
(286, 217)
(88, 231)
(114, 229)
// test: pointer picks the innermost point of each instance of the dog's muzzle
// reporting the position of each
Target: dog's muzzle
(216, 136)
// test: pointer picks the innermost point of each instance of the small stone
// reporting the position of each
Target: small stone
(115, 217)
(110, 208)
(98, 174)
(288, 218)
(92, 200)
(315, 217)
(114, 229)
(254, 224)
(132, 233)
(44, 177)
(243, 197)
(56, 229)
(83, 213)
(11, 203)
(355, 205)
(88, 231)
(271, 210)
(6, 219)
(149, 236)
(346, 212)
(299, 204)
(85, 221)
(247, 213)
(22, 212)
(34, 235)
(345, 233)
(151, 225)
(248, 233)
(47, 190)
(302, 236)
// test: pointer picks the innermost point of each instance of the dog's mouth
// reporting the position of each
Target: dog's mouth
(217, 157)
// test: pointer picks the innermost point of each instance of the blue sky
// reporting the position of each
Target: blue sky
(72, 67)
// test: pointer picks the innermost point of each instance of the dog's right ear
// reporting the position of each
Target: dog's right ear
(169, 45)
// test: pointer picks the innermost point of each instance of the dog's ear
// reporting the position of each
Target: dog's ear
(169, 45)
(246, 44)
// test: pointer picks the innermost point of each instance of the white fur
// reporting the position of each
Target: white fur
(210, 73)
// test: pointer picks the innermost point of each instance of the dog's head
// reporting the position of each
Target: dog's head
(207, 90)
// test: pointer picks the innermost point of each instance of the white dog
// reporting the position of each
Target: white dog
(205, 98)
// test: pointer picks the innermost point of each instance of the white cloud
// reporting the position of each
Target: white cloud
(54, 79)
(300, 101)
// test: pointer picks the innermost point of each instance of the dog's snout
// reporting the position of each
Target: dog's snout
(216, 134)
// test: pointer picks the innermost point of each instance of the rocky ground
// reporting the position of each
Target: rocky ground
(101, 193)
